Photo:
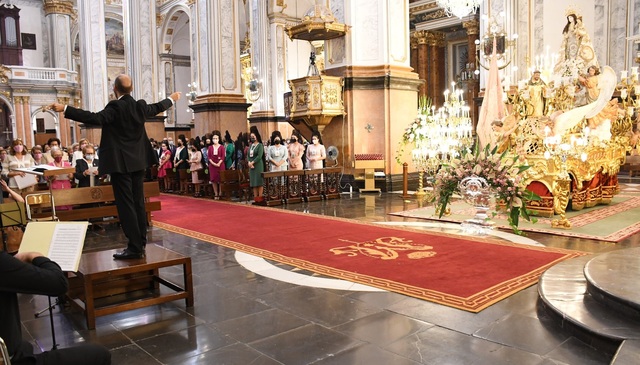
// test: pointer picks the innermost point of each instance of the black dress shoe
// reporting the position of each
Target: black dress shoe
(127, 255)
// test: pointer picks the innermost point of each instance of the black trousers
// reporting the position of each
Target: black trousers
(78, 355)
(128, 190)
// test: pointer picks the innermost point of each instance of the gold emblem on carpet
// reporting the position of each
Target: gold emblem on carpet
(386, 248)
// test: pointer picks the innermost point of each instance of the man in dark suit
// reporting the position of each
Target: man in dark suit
(125, 153)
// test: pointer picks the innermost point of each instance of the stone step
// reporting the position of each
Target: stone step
(612, 279)
(628, 353)
(563, 292)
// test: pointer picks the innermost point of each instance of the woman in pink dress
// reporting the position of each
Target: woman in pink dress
(216, 155)
(296, 150)
(62, 181)
(164, 165)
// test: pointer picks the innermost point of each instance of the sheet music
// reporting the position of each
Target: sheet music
(38, 169)
(66, 245)
(25, 181)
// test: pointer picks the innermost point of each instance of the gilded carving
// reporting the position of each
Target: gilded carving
(385, 248)
(58, 7)
(302, 96)
(160, 19)
(63, 100)
(472, 26)
(4, 74)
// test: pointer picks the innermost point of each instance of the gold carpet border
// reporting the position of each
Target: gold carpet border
(474, 303)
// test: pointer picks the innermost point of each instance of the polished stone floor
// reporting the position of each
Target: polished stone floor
(241, 317)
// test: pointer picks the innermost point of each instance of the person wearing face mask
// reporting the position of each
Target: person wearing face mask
(205, 152)
(277, 154)
(195, 164)
(62, 181)
(316, 152)
(164, 165)
(216, 156)
(296, 150)
(255, 160)
(87, 172)
(18, 158)
(181, 163)
(38, 159)
(51, 143)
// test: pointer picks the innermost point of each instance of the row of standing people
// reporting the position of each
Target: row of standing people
(248, 151)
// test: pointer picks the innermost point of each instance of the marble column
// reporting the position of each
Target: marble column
(380, 87)
(94, 54)
(140, 47)
(58, 24)
(220, 104)
(441, 83)
(261, 50)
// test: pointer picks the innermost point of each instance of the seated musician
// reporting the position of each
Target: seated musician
(32, 273)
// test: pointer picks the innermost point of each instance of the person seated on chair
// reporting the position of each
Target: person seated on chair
(84, 174)
(32, 273)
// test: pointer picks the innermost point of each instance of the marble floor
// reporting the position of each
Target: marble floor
(242, 317)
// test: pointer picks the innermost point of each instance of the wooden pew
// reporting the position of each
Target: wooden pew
(94, 202)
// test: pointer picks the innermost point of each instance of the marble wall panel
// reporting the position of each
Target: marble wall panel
(617, 34)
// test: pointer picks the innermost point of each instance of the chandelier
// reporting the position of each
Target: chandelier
(441, 135)
(459, 8)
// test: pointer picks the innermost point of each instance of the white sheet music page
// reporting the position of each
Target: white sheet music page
(66, 245)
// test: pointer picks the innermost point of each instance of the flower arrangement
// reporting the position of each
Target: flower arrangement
(503, 175)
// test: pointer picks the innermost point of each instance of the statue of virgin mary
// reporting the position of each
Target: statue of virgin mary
(576, 52)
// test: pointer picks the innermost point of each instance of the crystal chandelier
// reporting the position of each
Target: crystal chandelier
(459, 8)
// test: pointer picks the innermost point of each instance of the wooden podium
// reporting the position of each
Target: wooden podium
(369, 162)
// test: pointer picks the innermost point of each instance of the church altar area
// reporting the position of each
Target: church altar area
(569, 126)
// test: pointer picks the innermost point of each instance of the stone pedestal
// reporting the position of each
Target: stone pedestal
(220, 112)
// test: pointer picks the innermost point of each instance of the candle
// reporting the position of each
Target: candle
(623, 93)
(634, 70)
(623, 74)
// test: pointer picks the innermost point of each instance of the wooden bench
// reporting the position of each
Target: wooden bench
(105, 286)
(94, 202)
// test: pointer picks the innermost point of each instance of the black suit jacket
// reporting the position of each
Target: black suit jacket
(42, 276)
(124, 145)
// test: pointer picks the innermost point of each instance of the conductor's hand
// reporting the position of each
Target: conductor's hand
(27, 256)
(175, 96)
(57, 107)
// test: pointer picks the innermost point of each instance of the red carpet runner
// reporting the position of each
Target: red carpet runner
(469, 274)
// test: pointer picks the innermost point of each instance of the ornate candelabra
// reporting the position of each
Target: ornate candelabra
(629, 87)
(441, 135)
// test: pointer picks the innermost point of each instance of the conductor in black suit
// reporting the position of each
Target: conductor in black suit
(125, 153)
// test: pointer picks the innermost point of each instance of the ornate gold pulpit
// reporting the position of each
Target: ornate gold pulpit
(316, 100)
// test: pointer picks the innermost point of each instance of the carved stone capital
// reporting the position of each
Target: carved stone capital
(420, 36)
(160, 19)
(58, 7)
(472, 26)
(63, 100)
